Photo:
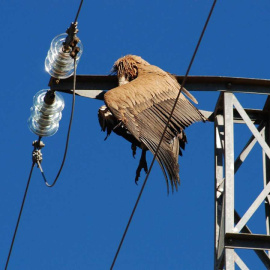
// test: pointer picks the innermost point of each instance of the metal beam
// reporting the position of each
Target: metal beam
(254, 206)
(220, 251)
(219, 151)
(247, 241)
(242, 156)
(227, 241)
(239, 262)
(256, 116)
(266, 149)
(251, 126)
(98, 83)
(260, 253)
(266, 169)
(229, 162)
(229, 175)
(219, 205)
(266, 180)
(95, 86)
(246, 150)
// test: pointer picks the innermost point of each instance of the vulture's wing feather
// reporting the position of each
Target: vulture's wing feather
(144, 105)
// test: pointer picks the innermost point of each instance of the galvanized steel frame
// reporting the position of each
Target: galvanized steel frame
(231, 230)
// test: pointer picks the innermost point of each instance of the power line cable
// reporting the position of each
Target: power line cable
(19, 217)
(169, 119)
(78, 12)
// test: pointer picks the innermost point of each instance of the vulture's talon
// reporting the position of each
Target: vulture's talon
(138, 174)
(142, 165)
(145, 168)
(134, 148)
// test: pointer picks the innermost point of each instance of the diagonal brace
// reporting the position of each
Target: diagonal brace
(252, 209)
(246, 150)
(251, 126)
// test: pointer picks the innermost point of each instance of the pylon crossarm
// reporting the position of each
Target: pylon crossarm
(251, 126)
(93, 86)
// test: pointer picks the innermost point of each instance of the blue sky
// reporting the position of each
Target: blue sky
(78, 224)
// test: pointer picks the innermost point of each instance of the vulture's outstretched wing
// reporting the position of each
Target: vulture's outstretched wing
(144, 105)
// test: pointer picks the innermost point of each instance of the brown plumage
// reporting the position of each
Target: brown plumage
(138, 110)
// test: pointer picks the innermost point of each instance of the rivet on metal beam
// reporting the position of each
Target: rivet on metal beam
(229, 85)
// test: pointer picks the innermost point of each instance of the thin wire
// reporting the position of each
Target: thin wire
(169, 119)
(19, 217)
(78, 12)
(68, 134)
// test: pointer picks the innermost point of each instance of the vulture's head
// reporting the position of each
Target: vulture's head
(127, 68)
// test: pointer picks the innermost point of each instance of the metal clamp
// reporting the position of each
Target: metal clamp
(36, 154)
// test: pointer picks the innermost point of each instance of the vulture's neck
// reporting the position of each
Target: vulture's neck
(122, 80)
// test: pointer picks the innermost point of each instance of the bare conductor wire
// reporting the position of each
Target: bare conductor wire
(170, 116)
(19, 217)
(78, 12)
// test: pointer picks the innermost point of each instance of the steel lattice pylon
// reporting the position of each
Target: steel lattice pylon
(231, 231)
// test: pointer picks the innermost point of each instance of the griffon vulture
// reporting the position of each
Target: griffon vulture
(138, 110)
